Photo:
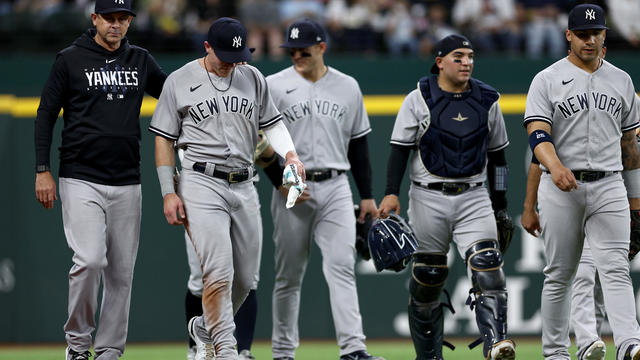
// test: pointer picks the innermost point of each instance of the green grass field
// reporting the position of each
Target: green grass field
(310, 350)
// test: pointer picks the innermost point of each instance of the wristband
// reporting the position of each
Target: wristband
(537, 137)
(165, 176)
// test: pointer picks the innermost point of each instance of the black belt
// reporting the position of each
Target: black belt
(322, 174)
(234, 176)
(449, 188)
(589, 176)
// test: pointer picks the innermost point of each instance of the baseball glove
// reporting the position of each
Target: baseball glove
(505, 229)
(362, 233)
(263, 144)
(634, 243)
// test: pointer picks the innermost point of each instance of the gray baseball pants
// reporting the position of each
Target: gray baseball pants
(329, 220)
(224, 222)
(597, 212)
(587, 302)
(102, 227)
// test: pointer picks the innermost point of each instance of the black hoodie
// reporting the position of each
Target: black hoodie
(101, 92)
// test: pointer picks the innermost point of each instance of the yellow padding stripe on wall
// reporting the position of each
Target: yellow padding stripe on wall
(377, 105)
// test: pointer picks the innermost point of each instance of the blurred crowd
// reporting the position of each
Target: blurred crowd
(366, 27)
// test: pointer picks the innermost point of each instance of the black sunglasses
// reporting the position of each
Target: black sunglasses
(303, 53)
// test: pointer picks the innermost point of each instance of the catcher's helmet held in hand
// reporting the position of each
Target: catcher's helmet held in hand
(391, 243)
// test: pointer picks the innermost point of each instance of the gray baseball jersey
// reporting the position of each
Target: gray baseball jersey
(588, 113)
(214, 126)
(413, 120)
(322, 117)
(216, 120)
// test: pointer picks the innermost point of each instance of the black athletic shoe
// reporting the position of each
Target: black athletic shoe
(360, 355)
(283, 358)
(73, 355)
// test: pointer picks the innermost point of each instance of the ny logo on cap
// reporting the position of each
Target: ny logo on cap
(237, 42)
(465, 43)
(119, 2)
(294, 33)
(590, 14)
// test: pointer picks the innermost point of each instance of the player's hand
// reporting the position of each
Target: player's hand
(292, 158)
(367, 206)
(389, 203)
(306, 195)
(46, 189)
(531, 222)
(563, 178)
(174, 209)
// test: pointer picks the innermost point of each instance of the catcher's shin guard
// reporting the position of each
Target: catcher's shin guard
(489, 288)
(426, 321)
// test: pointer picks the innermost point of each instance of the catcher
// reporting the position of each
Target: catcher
(454, 126)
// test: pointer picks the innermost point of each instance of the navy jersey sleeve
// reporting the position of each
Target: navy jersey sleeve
(51, 101)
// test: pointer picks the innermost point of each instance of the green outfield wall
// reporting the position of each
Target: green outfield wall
(35, 259)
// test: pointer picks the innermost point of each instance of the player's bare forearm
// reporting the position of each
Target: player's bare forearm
(529, 219)
(165, 154)
(630, 153)
(533, 181)
(634, 203)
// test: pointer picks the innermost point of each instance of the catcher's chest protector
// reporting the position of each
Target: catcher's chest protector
(455, 142)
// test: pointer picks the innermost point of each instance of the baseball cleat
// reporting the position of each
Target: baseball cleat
(595, 351)
(191, 352)
(360, 355)
(74, 355)
(503, 350)
(204, 351)
(283, 358)
(245, 355)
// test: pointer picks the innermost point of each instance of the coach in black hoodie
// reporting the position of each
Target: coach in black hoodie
(99, 81)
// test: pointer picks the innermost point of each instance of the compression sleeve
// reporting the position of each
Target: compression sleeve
(395, 168)
(358, 155)
(280, 139)
(497, 174)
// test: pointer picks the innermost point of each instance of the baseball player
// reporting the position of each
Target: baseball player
(456, 127)
(100, 81)
(213, 107)
(324, 111)
(587, 302)
(580, 115)
(245, 317)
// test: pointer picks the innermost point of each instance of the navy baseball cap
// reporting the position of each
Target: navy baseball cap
(587, 16)
(228, 38)
(447, 45)
(304, 33)
(111, 6)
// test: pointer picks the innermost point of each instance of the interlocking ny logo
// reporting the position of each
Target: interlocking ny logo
(119, 2)
(590, 14)
(237, 42)
(294, 33)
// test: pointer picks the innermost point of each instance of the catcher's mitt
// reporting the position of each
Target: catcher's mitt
(634, 243)
(505, 229)
(362, 232)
